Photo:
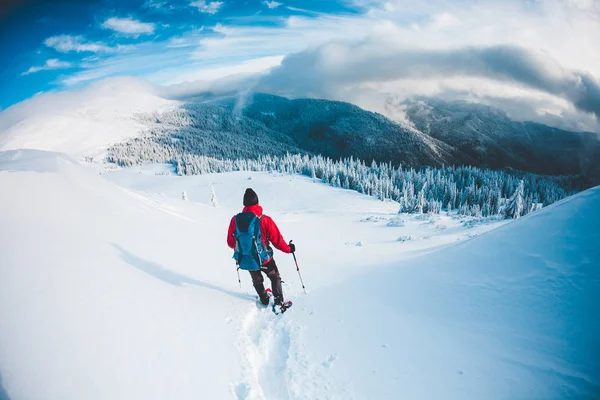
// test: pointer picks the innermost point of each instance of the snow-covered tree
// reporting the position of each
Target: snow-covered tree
(346, 183)
(421, 199)
(514, 208)
(213, 197)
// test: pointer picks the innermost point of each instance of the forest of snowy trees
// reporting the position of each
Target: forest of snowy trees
(207, 138)
(470, 191)
(203, 129)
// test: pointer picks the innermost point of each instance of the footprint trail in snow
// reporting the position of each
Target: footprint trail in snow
(274, 365)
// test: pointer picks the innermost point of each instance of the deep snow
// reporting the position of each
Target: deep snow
(113, 287)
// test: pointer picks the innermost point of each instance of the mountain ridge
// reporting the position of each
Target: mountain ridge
(123, 112)
(489, 136)
(443, 134)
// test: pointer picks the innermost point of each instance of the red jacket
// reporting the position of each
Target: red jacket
(268, 230)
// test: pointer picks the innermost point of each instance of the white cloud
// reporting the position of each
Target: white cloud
(179, 42)
(544, 31)
(565, 31)
(84, 76)
(50, 64)
(335, 67)
(444, 21)
(146, 56)
(188, 39)
(128, 26)
(202, 72)
(154, 4)
(294, 34)
(302, 10)
(207, 7)
(160, 6)
(272, 4)
(68, 43)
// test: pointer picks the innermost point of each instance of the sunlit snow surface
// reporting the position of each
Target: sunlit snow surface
(113, 287)
(82, 122)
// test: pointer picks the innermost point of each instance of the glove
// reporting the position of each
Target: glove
(292, 247)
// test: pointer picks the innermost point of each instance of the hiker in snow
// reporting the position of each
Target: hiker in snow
(250, 234)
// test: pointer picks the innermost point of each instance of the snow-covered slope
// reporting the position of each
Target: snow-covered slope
(81, 122)
(113, 287)
(513, 314)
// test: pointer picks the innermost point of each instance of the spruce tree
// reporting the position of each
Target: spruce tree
(514, 208)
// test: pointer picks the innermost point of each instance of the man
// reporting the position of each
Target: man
(269, 234)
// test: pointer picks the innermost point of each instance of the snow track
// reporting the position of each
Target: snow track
(275, 363)
(265, 347)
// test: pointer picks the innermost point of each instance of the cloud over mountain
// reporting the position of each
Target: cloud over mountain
(320, 71)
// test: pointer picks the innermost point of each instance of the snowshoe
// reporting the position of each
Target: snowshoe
(264, 299)
(281, 308)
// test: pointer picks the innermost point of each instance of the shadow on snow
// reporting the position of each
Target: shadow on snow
(171, 277)
(3, 394)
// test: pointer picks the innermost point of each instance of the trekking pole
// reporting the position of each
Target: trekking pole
(239, 280)
(298, 269)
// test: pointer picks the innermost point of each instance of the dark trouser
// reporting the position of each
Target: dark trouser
(270, 269)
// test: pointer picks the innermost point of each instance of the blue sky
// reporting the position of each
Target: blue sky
(535, 59)
(56, 45)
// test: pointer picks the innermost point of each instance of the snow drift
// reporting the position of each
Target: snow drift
(116, 288)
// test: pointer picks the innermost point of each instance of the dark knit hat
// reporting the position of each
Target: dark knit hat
(250, 198)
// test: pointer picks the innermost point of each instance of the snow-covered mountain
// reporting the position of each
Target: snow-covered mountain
(129, 117)
(82, 122)
(125, 121)
(273, 125)
(113, 287)
(336, 129)
(493, 140)
(206, 129)
(444, 133)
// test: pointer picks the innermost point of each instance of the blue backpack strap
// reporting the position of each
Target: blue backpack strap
(264, 252)
(257, 232)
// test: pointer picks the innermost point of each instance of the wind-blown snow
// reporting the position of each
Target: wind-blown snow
(113, 287)
(80, 122)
